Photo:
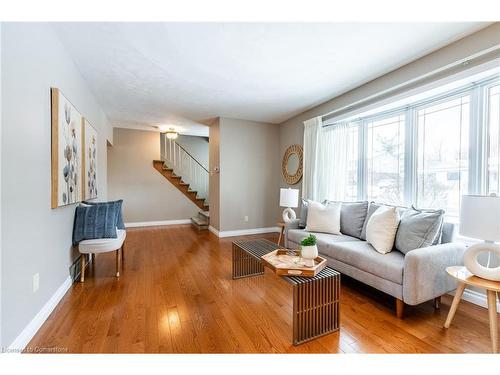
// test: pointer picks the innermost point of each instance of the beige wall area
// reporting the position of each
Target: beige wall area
(292, 130)
(249, 174)
(214, 176)
(147, 195)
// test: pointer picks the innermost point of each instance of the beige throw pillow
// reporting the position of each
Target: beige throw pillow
(381, 229)
(321, 218)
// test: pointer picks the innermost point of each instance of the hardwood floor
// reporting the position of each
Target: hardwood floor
(176, 295)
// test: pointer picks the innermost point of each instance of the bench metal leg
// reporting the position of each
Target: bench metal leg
(245, 265)
(315, 309)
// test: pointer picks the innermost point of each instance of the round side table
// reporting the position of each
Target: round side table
(465, 278)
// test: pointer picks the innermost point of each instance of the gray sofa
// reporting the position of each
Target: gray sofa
(412, 278)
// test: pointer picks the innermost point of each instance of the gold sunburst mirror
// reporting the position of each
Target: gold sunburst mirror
(291, 165)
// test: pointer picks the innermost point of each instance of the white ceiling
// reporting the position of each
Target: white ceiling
(146, 74)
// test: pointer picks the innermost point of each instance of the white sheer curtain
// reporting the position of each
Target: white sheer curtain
(333, 162)
(312, 129)
(325, 160)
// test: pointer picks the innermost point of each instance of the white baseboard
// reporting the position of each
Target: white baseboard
(476, 298)
(242, 232)
(32, 328)
(213, 230)
(157, 223)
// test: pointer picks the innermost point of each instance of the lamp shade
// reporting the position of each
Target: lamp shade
(480, 217)
(289, 197)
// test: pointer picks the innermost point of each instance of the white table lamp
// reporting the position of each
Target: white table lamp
(289, 198)
(480, 218)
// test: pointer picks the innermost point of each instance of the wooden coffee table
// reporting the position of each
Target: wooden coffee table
(315, 299)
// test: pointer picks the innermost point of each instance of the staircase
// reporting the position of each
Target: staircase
(188, 175)
(202, 221)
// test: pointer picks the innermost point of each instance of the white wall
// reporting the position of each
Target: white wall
(36, 238)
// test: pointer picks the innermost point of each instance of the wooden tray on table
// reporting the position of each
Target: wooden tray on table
(289, 263)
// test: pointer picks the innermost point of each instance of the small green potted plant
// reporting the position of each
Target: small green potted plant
(309, 250)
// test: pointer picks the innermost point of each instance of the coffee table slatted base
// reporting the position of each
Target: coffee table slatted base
(315, 306)
(246, 257)
(316, 300)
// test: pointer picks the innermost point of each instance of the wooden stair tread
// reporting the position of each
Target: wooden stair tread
(205, 214)
(199, 221)
(182, 186)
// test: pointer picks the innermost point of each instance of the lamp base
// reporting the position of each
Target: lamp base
(474, 267)
(288, 215)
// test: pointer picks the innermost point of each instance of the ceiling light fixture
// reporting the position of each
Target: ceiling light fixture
(171, 134)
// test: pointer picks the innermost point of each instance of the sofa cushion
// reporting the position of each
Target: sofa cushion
(321, 218)
(303, 213)
(95, 221)
(118, 203)
(448, 233)
(382, 228)
(362, 255)
(352, 218)
(323, 239)
(419, 228)
(371, 209)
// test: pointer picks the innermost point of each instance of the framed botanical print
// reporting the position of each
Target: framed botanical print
(66, 123)
(89, 160)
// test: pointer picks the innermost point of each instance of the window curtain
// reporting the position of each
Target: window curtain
(333, 162)
(312, 129)
(325, 160)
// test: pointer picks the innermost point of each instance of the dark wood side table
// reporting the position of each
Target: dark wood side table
(316, 300)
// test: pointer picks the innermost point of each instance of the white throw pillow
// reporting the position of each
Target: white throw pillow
(381, 229)
(321, 218)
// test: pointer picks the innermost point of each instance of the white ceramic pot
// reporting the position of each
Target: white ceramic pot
(309, 253)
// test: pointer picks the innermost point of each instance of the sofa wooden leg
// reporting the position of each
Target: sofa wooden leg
(400, 307)
(437, 302)
(82, 268)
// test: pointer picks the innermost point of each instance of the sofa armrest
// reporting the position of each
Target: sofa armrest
(424, 275)
(293, 224)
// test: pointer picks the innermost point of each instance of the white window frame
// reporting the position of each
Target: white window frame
(478, 138)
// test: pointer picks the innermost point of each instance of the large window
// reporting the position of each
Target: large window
(443, 154)
(351, 191)
(385, 159)
(428, 152)
(493, 121)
